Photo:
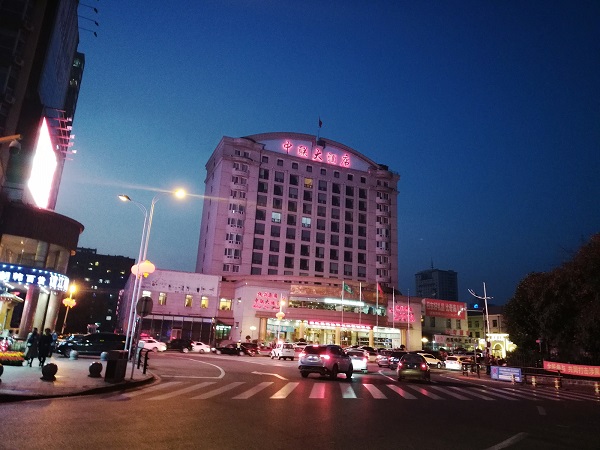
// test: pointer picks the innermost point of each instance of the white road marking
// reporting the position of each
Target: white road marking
(317, 391)
(285, 391)
(250, 392)
(194, 387)
(402, 392)
(376, 393)
(218, 391)
(347, 391)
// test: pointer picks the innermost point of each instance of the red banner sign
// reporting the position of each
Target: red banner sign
(445, 308)
(572, 369)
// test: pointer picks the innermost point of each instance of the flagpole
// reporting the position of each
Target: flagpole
(393, 306)
(377, 307)
(408, 320)
(343, 289)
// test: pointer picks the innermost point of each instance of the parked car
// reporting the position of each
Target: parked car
(183, 345)
(413, 365)
(232, 349)
(394, 358)
(360, 359)
(200, 347)
(152, 344)
(432, 360)
(325, 360)
(383, 358)
(455, 362)
(371, 352)
(283, 350)
(92, 344)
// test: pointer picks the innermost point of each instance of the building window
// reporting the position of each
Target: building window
(277, 203)
(280, 162)
(348, 270)
(263, 187)
(333, 268)
(275, 217)
(448, 323)
(261, 214)
(306, 222)
(322, 198)
(321, 211)
(259, 228)
(288, 262)
(304, 250)
(350, 177)
(350, 191)
(349, 216)
(275, 231)
(258, 244)
(293, 192)
(305, 235)
(335, 200)
(290, 248)
(256, 258)
(309, 168)
(273, 246)
(319, 266)
(320, 238)
(319, 252)
(303, 264)
(278, 190)
(265, 159)
(204, 302)
(263, 174)
(255, 271)
(162, 298)
(294, 179)
(335, 227)
(348, 242)
(295, 165)
(336, 174)
(348, 228)
(308, 196)
(320, 224)
(335, 213)
(363, 180)
(308, 183)
(458, 324)
(362, 271)
(362, 244)
(362, 258)
(323, 171)
(432, 322)
(348, 256)
(292, 206)
(334, 254)
(334, 239)
(291, 219)
(290, 233)
(279, 177)
(322, 185)
(273, 260)
(188, 301)
(306, 208)
(349, 203)
(225, 304)
(261, 200)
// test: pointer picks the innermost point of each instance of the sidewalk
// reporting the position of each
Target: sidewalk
(72, 378)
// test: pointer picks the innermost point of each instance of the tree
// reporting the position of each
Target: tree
(558, 312)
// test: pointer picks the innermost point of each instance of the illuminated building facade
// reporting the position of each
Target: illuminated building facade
(37, 54)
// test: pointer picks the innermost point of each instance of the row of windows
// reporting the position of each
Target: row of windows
(295, 166)
(277, 203)
(188, 302)
(361, 271)
(307, 182)
(305, 235)
(305, 250)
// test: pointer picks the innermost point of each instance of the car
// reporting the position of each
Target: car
(183, 345)
(360, 359)
(455, 362)
(383, 358)
(431, 360)
(415, 366)
(283, 350)
(325, 360)
(394, 358)
(152, 344)
(371, 352)
(233, 349)
(92, 344)
(200, 347)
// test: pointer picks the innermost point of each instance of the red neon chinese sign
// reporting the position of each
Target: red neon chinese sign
(318, 155)
(402, 313)
(266, 300)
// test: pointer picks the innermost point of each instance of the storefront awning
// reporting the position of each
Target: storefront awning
(7, 296)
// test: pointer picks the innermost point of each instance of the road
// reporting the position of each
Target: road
(231, 402)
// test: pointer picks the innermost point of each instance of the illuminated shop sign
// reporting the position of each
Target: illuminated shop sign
(29, 275)
(402, 313)
(318, 154)
(315, 323)
(445, 308)
(43, 168)
(267, 300)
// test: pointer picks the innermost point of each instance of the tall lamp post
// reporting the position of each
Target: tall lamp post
(487, 317)
(280, 315)
(180, 193)
(69, 302)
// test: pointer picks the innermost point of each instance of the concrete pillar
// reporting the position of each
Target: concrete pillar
(337, 335)
(29, 309)
(301, 331)
(54, 303)
(371, 338)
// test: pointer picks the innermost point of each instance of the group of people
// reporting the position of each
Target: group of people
(39, 346)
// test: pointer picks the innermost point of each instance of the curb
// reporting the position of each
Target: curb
(121, 386)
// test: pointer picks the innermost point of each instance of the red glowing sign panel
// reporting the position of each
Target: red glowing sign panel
(445, 308)
(402, 313)
(317, 154)
(266, 300)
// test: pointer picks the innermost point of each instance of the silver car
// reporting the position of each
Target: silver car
(325, 360)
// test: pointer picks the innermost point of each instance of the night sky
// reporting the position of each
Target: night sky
(488, 110)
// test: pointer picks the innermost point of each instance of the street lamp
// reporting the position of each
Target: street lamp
(69, 302)
(487, 317)
(180, 193)
(280, 315)
(252, 330)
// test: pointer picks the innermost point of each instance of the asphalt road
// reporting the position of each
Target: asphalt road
(231, 402)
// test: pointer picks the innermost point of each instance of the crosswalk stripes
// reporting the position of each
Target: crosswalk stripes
(327, 390)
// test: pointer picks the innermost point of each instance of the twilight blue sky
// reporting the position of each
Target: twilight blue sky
(489, 111)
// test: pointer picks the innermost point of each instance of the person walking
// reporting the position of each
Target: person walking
(45, 346)
(32, 347)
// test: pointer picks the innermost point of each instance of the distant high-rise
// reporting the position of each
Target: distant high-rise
(293, 205)
(435, 283)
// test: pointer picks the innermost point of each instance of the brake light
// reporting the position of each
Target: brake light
(302, 354)
(400, 365)
(325, 356)
(423, 366)
(365, 360)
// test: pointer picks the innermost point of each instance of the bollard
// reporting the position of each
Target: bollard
(513, 378)
(557, 381)
(596, 388)
(95, 369)
(73, 354)
(533, 381)
(103, 356)
(48, 372)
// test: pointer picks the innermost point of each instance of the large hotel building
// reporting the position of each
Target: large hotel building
(298, 240)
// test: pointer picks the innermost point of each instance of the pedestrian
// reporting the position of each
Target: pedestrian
(54, 342)
(239, 348)
(44, 346)
(32, 349)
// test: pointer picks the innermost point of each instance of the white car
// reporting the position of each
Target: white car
(432, 361)
(455, 362)
(283, 350)
(360, 359)
(200, 347)
(152, 345)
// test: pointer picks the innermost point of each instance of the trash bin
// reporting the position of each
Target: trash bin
(116, 366)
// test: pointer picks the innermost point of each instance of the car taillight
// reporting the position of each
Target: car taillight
(365, 360)
(423, 366)
(399, 365)
(325, 356)
(302, 355)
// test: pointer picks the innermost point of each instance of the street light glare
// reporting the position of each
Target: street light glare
(124, 198)
(180, 193)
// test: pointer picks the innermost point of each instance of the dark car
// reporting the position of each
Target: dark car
(232, 349)
(413, 365)
(183, 345)
(93, 344)
(394, 357)
(325, 360)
